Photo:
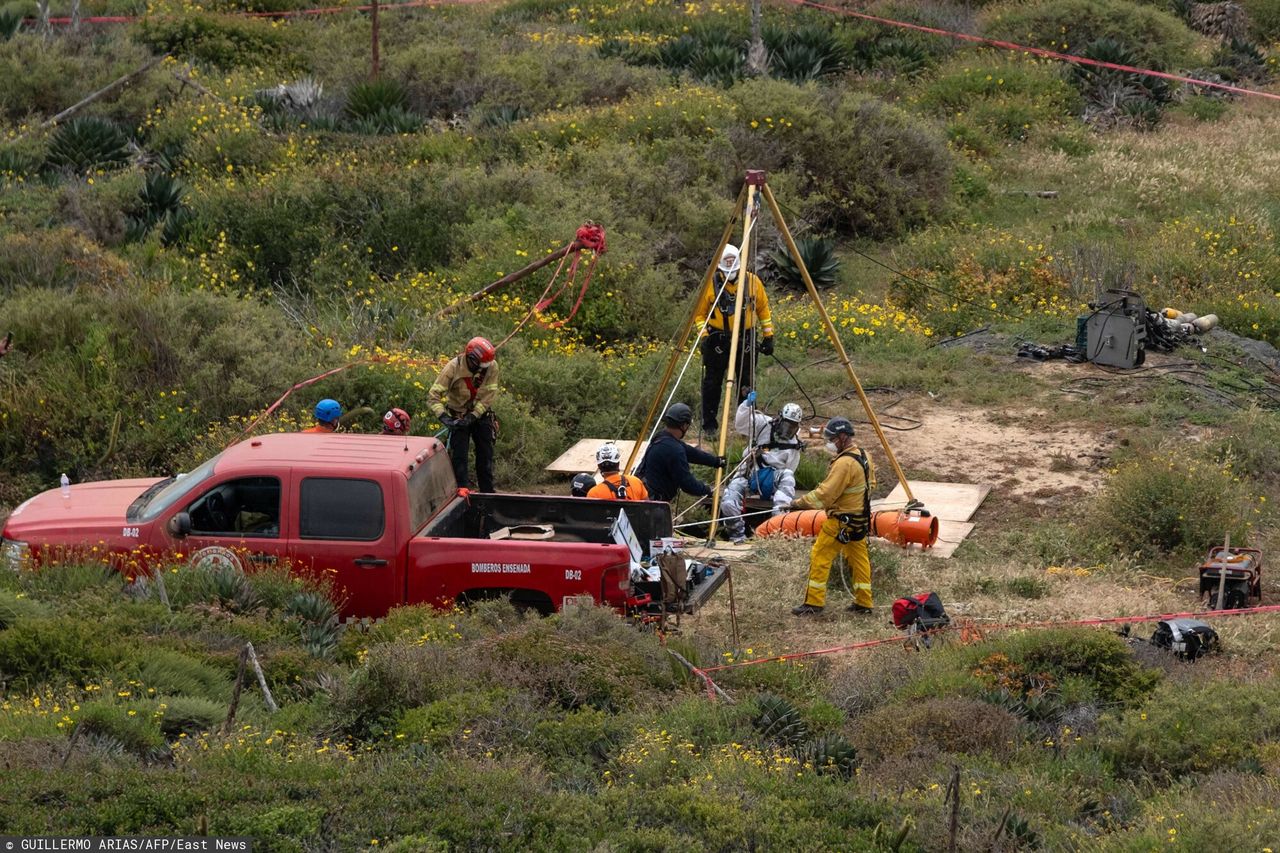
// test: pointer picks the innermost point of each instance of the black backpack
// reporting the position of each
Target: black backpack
(1186, 638)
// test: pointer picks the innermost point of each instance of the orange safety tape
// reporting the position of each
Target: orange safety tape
(1035, 51)
(1107, 620)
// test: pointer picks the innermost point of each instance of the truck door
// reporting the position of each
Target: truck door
(348, 529)
(237, 521)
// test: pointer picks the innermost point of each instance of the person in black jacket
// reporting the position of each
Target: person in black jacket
(665, 469)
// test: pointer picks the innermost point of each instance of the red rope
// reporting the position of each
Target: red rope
(1035, 51)
(313, 380)
(1107, 620)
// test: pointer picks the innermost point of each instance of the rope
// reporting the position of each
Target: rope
(1035, 51)
(675, 386)
(314, 379)
(723, 518)
(1091, 622)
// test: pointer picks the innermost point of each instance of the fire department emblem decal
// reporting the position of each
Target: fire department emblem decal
(214, 557)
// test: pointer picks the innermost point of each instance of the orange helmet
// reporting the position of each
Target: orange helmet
(479, 353)
(395, 422)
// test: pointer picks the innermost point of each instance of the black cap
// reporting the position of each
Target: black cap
(678, 415)
(838, 426)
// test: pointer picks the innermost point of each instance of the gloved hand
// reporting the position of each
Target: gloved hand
(766, 345)
(448, 422)
(751, 397)
(466, 420)
(721, 462)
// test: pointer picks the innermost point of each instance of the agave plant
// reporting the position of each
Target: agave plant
(87, 143)
(1119, 96)
(310, 606)
(721, 64)
(15, 163)
(678, 54)
(391, 120)
(830, 754)
(502, 115)
(10, 23)
(819, 256)
(161, 194)
(373, 98)
(175, 225)
(779, 720)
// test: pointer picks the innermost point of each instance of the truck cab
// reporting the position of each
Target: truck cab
(381, 517)
(340, 505)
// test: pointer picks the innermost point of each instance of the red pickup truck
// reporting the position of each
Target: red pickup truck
(381, 514)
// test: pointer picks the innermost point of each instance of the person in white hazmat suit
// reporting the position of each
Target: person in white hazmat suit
(769, 463)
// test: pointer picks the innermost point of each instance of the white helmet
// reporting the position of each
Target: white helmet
(608, 454)
(729, 261)
(788, 422)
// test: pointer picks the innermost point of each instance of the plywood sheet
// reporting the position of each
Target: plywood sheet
(582, 456)
(947, 501)
(951, 535)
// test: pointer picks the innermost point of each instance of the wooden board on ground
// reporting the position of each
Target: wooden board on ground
(700, 551)
(950, 501)
(582, 456)
(951, 535)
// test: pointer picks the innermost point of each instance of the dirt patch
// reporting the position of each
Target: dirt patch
(1027, 453)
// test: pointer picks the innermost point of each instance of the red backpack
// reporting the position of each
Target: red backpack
(925, 610)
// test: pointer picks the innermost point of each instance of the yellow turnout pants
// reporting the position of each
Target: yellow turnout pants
(825, 549)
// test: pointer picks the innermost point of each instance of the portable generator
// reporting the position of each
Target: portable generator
(1231, 577)
(1116, 330)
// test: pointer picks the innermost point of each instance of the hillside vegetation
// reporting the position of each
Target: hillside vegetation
(254, 209)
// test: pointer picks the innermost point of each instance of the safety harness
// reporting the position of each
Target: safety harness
(619, 491)
(855, 528)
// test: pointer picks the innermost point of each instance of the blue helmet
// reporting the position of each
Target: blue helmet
(328, 411)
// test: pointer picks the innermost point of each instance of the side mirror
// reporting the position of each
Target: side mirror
(180, 525)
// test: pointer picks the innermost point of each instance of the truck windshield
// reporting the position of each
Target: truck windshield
(171, 491)
(430, 486)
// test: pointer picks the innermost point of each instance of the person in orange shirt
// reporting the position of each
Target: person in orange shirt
(616, 486)
(327, 413)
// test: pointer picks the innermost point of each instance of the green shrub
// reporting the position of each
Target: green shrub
(1166, 503)
(223, 41)
(15, 606)
(56, 581)
(1264, 20)
(1157, 39)
(948, 725)
(190, 715)
(87, 143)
(1008, 101)
(439, 722)
(175, 674)
(870, 169)
(1187, 729)
(119, 728)
(1074, 665)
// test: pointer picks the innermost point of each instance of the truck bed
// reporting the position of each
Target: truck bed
(571, 519)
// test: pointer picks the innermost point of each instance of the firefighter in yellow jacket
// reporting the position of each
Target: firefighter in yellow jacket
(846, 496)
(718, 316)
(462, 398)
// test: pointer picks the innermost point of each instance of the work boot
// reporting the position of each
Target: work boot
(857, 608)
(806, 610)
(737, 540)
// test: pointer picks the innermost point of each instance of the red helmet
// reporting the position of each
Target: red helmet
(480, 352)
(395, 422)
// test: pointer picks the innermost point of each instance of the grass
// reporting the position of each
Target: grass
(165, 342)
